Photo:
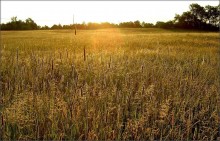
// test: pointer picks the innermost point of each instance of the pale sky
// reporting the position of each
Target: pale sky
(61, 12)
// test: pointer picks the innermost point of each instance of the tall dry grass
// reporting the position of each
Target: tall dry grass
(115, 84)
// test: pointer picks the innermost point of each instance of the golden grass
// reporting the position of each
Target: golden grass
(115, 84)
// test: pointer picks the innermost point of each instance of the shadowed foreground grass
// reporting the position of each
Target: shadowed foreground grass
(112, 84)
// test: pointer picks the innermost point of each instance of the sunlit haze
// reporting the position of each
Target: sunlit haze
(61, 12)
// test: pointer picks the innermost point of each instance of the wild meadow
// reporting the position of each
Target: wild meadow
(109, 84)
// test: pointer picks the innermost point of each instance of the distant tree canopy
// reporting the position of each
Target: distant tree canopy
(201, 18)
(198, 17)
(59, 26)
(204, 18)
(168, 24)
(147, 25)
(15, 24)
(135, 24)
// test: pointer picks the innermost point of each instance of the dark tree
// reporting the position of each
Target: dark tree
(199, 18)
(15, 24)
(147, 25)
(137, 24)
(30, 24)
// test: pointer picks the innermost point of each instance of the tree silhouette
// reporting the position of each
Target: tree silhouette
(205, 18)
(198, 17)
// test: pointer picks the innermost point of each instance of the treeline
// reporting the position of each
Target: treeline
(199, 18)
(91, 25)
(15, 24)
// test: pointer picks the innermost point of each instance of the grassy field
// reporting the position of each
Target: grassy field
(115, 84)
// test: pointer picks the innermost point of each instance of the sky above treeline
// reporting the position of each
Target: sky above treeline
(62, 12)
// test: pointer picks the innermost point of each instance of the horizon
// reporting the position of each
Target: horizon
(61, 12)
